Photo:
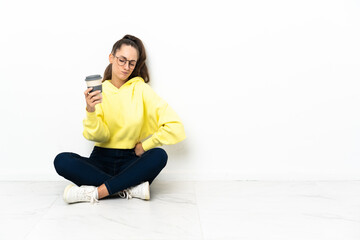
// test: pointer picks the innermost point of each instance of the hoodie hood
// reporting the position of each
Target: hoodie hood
(108, 87)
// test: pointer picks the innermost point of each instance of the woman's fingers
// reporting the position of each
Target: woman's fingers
(94, 93)
(95, 97)
(87, 91)
(96, 102)
(92, 98)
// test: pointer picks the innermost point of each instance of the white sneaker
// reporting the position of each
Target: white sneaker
(141, 191)
(73, 194)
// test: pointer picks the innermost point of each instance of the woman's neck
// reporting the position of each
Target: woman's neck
(117, 82)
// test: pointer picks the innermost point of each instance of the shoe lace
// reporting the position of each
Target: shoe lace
(125, 194)
(136, 191)
(89, 195)
(93, 200)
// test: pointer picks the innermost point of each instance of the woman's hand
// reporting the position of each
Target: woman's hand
(92, 99)
(139, 149)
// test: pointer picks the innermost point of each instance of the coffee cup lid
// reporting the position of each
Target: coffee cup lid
(92, 77)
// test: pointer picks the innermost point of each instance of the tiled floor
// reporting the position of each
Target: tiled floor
(243, 210)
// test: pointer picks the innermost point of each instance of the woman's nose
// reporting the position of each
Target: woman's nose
(127, 66)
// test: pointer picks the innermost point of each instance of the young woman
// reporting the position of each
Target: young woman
(128, 121)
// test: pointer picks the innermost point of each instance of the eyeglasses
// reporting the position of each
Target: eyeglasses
(122, 61)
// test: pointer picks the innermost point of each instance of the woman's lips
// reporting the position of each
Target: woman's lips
(125, 73)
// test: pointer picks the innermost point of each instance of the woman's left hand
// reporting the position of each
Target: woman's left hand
(139, 149)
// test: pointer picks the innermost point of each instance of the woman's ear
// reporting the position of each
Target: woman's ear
(111, 58)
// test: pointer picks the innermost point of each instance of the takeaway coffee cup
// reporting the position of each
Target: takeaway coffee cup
(94, 81)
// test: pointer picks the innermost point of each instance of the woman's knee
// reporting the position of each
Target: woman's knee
(161, 156)
(61, 162)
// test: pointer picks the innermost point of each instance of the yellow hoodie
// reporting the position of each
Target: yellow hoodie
(130, 114)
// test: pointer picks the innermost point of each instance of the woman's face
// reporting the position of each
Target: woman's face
(123, 63)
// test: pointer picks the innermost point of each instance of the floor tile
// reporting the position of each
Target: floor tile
(279, 210)
(170, 214)
(246, 210)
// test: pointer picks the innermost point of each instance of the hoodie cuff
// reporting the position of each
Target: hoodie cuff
(149, 144)
(90, 115)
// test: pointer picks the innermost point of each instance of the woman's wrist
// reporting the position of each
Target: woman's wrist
(90, 109)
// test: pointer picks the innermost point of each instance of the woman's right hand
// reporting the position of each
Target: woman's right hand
(92, 98)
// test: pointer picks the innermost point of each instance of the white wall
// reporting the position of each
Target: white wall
(266, 89)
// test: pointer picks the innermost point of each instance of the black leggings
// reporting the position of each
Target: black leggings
(118, 169)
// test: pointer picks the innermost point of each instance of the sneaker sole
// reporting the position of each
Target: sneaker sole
(147, 195)
(66, 191)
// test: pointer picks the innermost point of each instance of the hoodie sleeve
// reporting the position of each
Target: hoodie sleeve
(161, 121)
(95, 128)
